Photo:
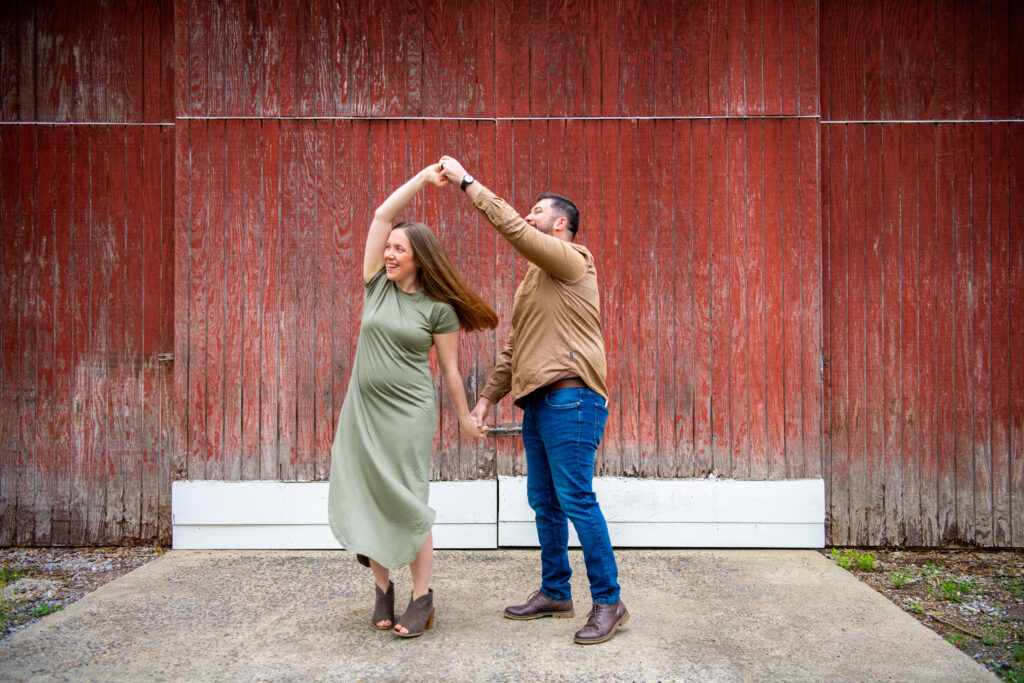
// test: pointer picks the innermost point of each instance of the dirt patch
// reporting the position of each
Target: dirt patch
(972, 598)
(35, 582)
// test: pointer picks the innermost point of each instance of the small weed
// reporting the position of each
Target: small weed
(931, 570)
(899, 578)
(958, 641)
(1018, 653)
(8, 575)
(1012, 674)
(916, 609)
(956, 591)
(1014, 586)
(852, 559)
(46, 608)
(993, 637)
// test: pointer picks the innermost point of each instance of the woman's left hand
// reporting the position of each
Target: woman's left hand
(435, 175)
(470, 428)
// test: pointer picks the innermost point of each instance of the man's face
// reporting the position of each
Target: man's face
(542, 217)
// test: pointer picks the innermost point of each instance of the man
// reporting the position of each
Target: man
(554, 366)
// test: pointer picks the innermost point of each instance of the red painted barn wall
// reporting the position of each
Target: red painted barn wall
(921, 147)
(709, 262)
(86, 272)
(744, 236)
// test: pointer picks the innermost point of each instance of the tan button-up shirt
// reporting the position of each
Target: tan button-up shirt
(556, 313)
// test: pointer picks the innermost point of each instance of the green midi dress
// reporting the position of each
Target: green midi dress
(380, 460)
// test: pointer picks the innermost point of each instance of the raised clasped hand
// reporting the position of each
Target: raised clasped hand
(452, 169)
(435, 175)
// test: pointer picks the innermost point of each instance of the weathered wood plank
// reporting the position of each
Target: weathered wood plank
(650, 275)
(905, 213)
(703, 296)
(777, 358)
(26, 293)
(323, 403)
(737, 320)
(960, 268)
(721, 446)
(811, 292)
(1001, 473)
(1016, 374)
(839, 391)
(224, 204)
(135, 291)
(271, 358)
(609, 283)
(98, 352)
(64, 362)
(250, 258)
(944, 291)
(981, 337)
(892, 338)
(757, 361)
(628, 264)
(118, 372)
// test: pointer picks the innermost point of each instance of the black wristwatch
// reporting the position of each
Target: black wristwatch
(467, 180)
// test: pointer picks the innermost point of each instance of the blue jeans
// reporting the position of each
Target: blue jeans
(561, 431)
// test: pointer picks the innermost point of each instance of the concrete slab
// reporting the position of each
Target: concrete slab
(697, 615)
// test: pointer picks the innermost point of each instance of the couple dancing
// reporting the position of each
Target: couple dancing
(553, 364)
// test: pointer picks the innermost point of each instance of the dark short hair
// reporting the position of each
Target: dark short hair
(565, 208)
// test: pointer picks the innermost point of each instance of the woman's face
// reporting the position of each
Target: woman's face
(398, 258)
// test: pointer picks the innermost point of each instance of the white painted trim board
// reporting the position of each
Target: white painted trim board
(673, 513)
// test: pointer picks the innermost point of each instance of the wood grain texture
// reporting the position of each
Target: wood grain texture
(890, 253)
(934, 250)
(935, 59)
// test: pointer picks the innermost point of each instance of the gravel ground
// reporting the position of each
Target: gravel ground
(37, 581)
(974, 599)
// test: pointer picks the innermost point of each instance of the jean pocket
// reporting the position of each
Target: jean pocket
(562, 399)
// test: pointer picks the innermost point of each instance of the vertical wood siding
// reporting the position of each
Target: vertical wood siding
(710, 286)
(214, 206)
(85, 282)
(86, 272)
(922, 263)
(925, 60)
(497, 58)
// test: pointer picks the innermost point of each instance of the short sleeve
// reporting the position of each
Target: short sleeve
(375, 285)
(445, 318)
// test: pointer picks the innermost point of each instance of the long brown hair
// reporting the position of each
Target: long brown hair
(442, 282)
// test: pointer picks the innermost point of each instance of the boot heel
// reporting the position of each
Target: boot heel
(564, 615)
(418, 617)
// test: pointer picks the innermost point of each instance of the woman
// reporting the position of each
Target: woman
(380, 461)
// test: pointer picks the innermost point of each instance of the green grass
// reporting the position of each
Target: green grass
(46, 608)
(8, 574)
(956, 590)
(916, 609)
(899, 578)
(993, 637)
(854, 559)
(1014, 586)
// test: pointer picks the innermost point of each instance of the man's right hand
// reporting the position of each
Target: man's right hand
(479, 412)
(452, 170)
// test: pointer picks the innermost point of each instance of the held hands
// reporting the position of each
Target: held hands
(434, 175)
(479, 412)
(452, 170)
(471, 428)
